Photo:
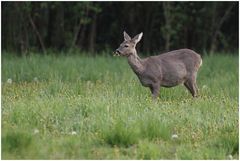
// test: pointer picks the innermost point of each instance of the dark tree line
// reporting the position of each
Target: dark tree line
(97, 26)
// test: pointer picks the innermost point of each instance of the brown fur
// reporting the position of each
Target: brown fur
(167, 70)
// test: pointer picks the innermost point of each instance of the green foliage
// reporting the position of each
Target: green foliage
(148, 151)
(210, 26)
(16, 142)
(82, 107)
(121, 134)
(153, 128)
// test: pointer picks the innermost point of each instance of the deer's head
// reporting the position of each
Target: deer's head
(127, 47)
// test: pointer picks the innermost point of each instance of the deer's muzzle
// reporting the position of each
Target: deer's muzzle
(117, 53)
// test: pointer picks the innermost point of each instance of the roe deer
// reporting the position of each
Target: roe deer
(165, 70)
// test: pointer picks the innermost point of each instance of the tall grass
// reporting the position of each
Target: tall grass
(83, 107)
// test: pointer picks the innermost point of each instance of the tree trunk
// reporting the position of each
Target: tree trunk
(56, 33)
(76, 33)
(218, 27)
(92, 36)
(37, 33)
(167, 15)
(147, 29)
(82, 37)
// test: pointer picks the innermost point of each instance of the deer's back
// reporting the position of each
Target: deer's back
(172, 68)
(187, 57)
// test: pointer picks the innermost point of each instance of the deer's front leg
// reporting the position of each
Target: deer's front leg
(155, 90)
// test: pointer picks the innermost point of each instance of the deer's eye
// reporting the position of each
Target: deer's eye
(126, 46)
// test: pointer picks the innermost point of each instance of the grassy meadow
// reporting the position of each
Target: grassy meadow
(94, 107)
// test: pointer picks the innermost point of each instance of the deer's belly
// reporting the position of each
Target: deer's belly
(166, 80)
(172, 81)
(171, 84)
(174, 76)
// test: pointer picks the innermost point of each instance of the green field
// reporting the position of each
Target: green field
(93, 107)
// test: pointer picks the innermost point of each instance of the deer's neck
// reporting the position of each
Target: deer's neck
(136, 63)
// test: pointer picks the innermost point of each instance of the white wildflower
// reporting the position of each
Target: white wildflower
(35, 79)
(36, 131)
(204, 87)
(230, 157)
(174, 136)
(73, 133)
(9, 81)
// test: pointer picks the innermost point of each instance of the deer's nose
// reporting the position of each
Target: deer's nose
(117, 51)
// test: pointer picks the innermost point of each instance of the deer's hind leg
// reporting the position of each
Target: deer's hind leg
(191, 85)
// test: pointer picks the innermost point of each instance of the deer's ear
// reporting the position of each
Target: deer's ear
(126, 36)
(137, 38)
